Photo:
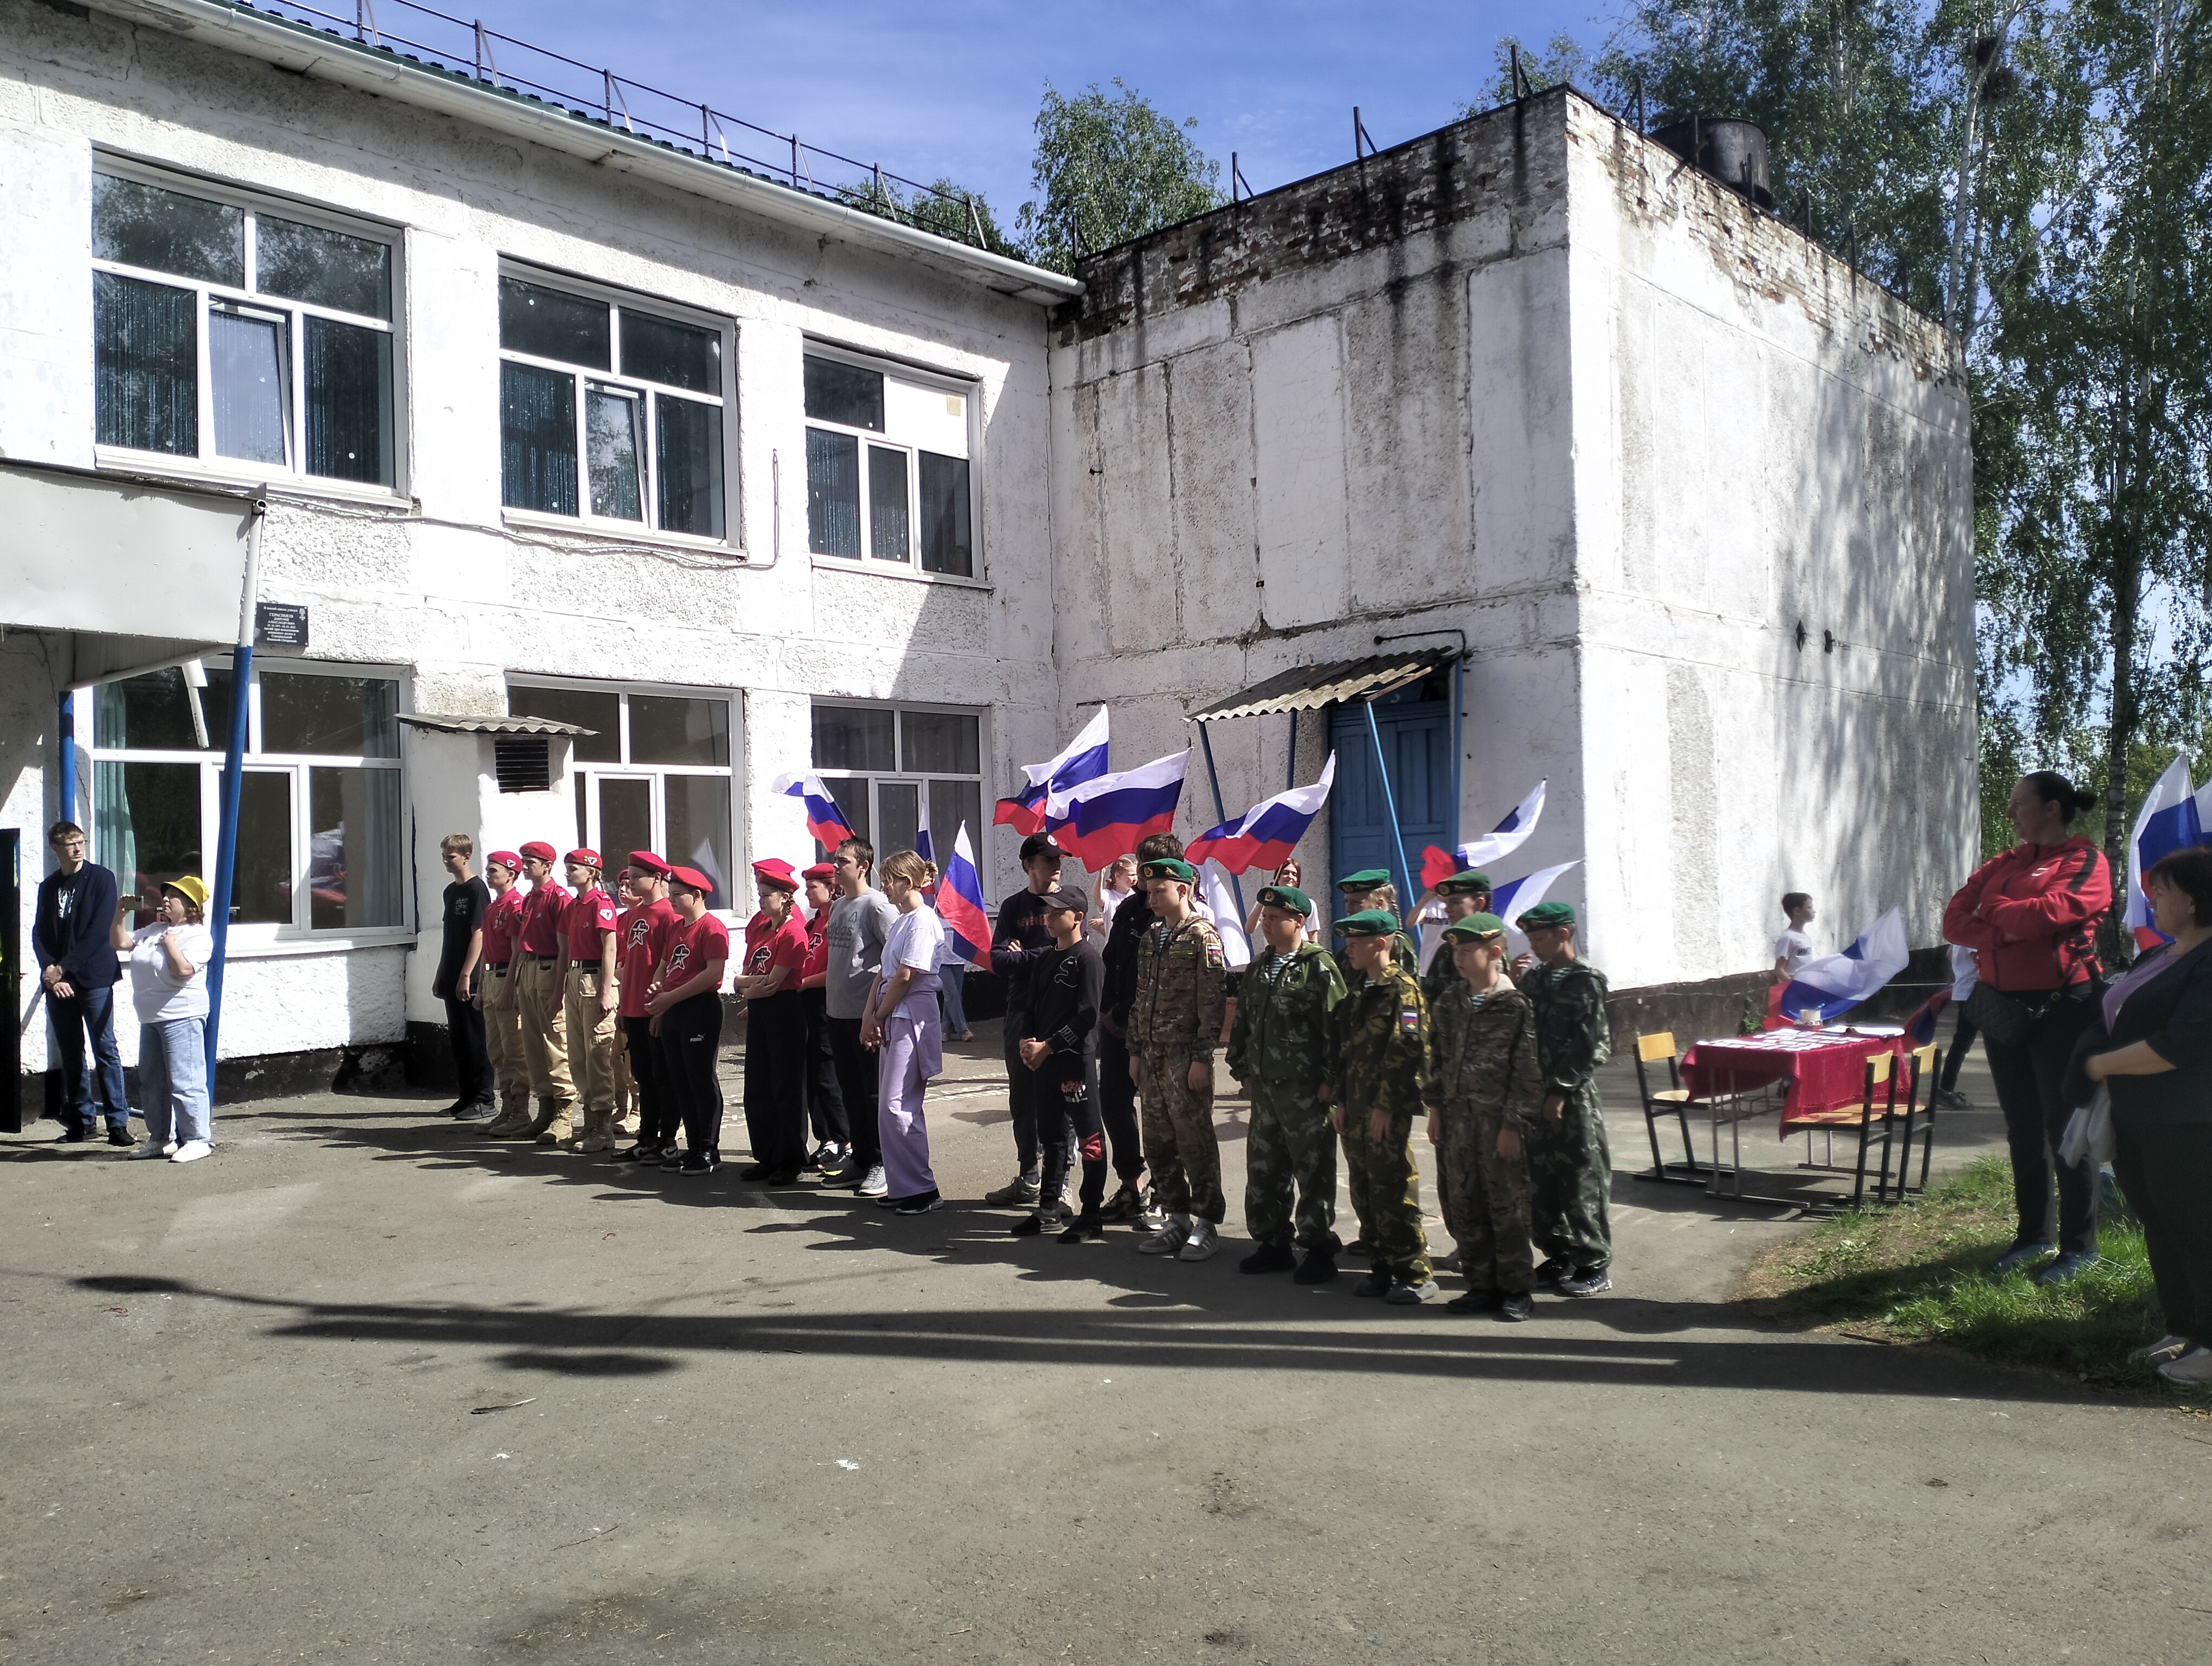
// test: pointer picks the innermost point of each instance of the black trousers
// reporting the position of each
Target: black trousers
(1117, 1106)
(1021, 1097)
(775, 1081)
(1065, 1107)
(464, 1034)
(1962, 1043)
(657, 1120)
(2035, 1113)
(856, 1079)
(825, 1096)
(690, 1043)
(2166, 1172)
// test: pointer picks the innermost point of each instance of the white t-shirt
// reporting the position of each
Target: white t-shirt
(160, 993)
(1793, 949)
(915, 939)
(1966, 972)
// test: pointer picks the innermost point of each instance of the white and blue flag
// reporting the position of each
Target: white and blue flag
(1825, 989)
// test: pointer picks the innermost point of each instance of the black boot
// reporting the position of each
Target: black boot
(1268, 1258)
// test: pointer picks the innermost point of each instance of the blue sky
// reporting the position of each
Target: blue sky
(952, 89)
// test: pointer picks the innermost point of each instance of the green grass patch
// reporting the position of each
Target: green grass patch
(1919, 1273)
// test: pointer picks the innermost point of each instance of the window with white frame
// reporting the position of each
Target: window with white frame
(896, 769)
(318, 828)
(610, 411)
(240, 334)
(656, 773)
(887, 466)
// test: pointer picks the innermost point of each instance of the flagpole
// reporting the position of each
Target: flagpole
(1220, 811)
(1390, 807)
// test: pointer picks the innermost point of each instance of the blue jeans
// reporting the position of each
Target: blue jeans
(172, 1081)
(89, 1012)
(952, 975)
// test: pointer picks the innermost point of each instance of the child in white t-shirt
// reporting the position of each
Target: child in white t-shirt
(1794, 948)
(168, 984)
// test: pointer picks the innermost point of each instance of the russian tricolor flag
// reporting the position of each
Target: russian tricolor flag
(1084, 759)
(1266, 833)
(1831, 986)
(960, 903)
(1501, 842)
(2170, 819)
(1104, 818)
(825, 820)
(1516, 896)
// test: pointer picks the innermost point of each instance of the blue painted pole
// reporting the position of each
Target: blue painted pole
(233, 781)
(65, 774)
(1459, 705)
(1220, 814)
(1402, 873)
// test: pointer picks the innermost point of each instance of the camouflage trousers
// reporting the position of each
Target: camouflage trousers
(1386, 1193)
(1571, 1178)
(1485, 1199)
(1290, 1153)
(1179, 1144)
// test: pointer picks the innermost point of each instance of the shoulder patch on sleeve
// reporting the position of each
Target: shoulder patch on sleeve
(1409, 1015)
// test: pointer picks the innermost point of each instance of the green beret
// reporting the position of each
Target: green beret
(1285, 897)
(1472, 878)
(1474, 927)
(1369, 922)
(1366, 880)
(1548, 913)
(1169, 867)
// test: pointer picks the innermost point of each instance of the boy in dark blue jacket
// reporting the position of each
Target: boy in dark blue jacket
(71, 934)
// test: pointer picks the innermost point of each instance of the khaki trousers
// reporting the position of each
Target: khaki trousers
(502, 1012)
(591, 1042)
(544, 1040)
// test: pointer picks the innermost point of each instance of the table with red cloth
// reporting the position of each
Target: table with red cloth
(1818, 1070)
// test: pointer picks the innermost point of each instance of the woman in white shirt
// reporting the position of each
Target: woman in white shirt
(168, 983)
(1108, 892)
(901, 1020)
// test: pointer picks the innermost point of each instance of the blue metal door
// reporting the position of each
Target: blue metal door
(1416, 735)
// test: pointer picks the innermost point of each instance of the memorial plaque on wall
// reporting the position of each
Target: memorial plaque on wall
(280, 624)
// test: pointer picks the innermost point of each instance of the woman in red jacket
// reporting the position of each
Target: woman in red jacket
(2031, 917)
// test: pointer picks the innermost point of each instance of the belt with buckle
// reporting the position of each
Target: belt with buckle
(585, 965)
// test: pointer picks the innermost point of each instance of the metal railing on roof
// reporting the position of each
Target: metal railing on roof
(465, 47)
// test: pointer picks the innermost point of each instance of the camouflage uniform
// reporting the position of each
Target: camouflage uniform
(1483, 1078)
(1570, 1163)
(1378, 1037)
(1175, 1020)
(1278, 1048)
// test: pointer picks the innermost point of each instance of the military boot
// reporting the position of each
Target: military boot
(596, 1136)
(551, 1124)
(513, 1117)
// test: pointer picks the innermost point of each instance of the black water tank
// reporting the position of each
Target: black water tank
(1733, 151)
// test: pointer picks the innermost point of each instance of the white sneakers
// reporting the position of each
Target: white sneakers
(2165, 1348)
(192, 1151)
(2192, 1367)
(1201, 1243)
(146, 1148)
(1174, 1229)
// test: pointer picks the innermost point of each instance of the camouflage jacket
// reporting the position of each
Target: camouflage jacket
(1482, 1055)
(1182, 990)
(1572, 1037)
(1378, 1035)
(1281, 1033)
(1403, 952)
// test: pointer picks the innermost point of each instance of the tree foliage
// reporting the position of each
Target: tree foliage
(1108, 169)
(946, 208)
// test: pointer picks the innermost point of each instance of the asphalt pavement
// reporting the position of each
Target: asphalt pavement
(364, 1386)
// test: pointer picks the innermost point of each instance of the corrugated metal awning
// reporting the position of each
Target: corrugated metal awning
(491, 725)
(1309, 688)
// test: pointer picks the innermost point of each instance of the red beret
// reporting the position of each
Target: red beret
(506, 859)
(584, 857)
(691, 880)
(823, 871)
(776, 872)
(644, 861)
(539, 850)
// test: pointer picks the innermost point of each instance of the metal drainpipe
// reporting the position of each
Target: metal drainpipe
(65, 772)
(1221, 814)
(1459, 705)
(1398, 867)
(234, 774)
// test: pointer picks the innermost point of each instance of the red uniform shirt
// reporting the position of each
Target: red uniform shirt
(817, 947)
(767, 946)
(541, 919)
(639, 935)
(589, 912)
(502, 925)
(687, 949)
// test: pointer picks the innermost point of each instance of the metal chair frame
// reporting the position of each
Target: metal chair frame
(1673, 1100)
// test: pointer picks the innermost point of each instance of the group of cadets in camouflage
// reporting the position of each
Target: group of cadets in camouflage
(1500, 1060)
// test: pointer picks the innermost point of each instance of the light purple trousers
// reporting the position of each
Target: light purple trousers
(910, 1055)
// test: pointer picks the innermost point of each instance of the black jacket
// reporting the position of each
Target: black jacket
(2174, 1013)
(1131, 922)
(80, 944)
(1017, 940)
(1063, 1008)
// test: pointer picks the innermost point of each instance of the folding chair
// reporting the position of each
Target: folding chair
(1672, 1100)
(1877, 1107)
(1926, 1065)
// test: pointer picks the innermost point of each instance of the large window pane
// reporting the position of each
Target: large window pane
(851, 793)
(349, 401)
(948, 544)
(613, 421)
(245, 367)
(699, 830)
(352, 848)
(153, 713)
(328, 268)
(167, 231)
(940, 742)
(549, 325)
(951, 803)
(658, 350)
(855, 738)
(347, 716)
(538, 439)
(261, 889)
(844, 393)
(887, 535)
(145, 366)
(833, 494)
(899, 812)
(588, 709)
(146, 821)
(669, 729)
(625, 820)
(690, 439)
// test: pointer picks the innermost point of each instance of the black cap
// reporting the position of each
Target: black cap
(1039, 844)
(1067, 897)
